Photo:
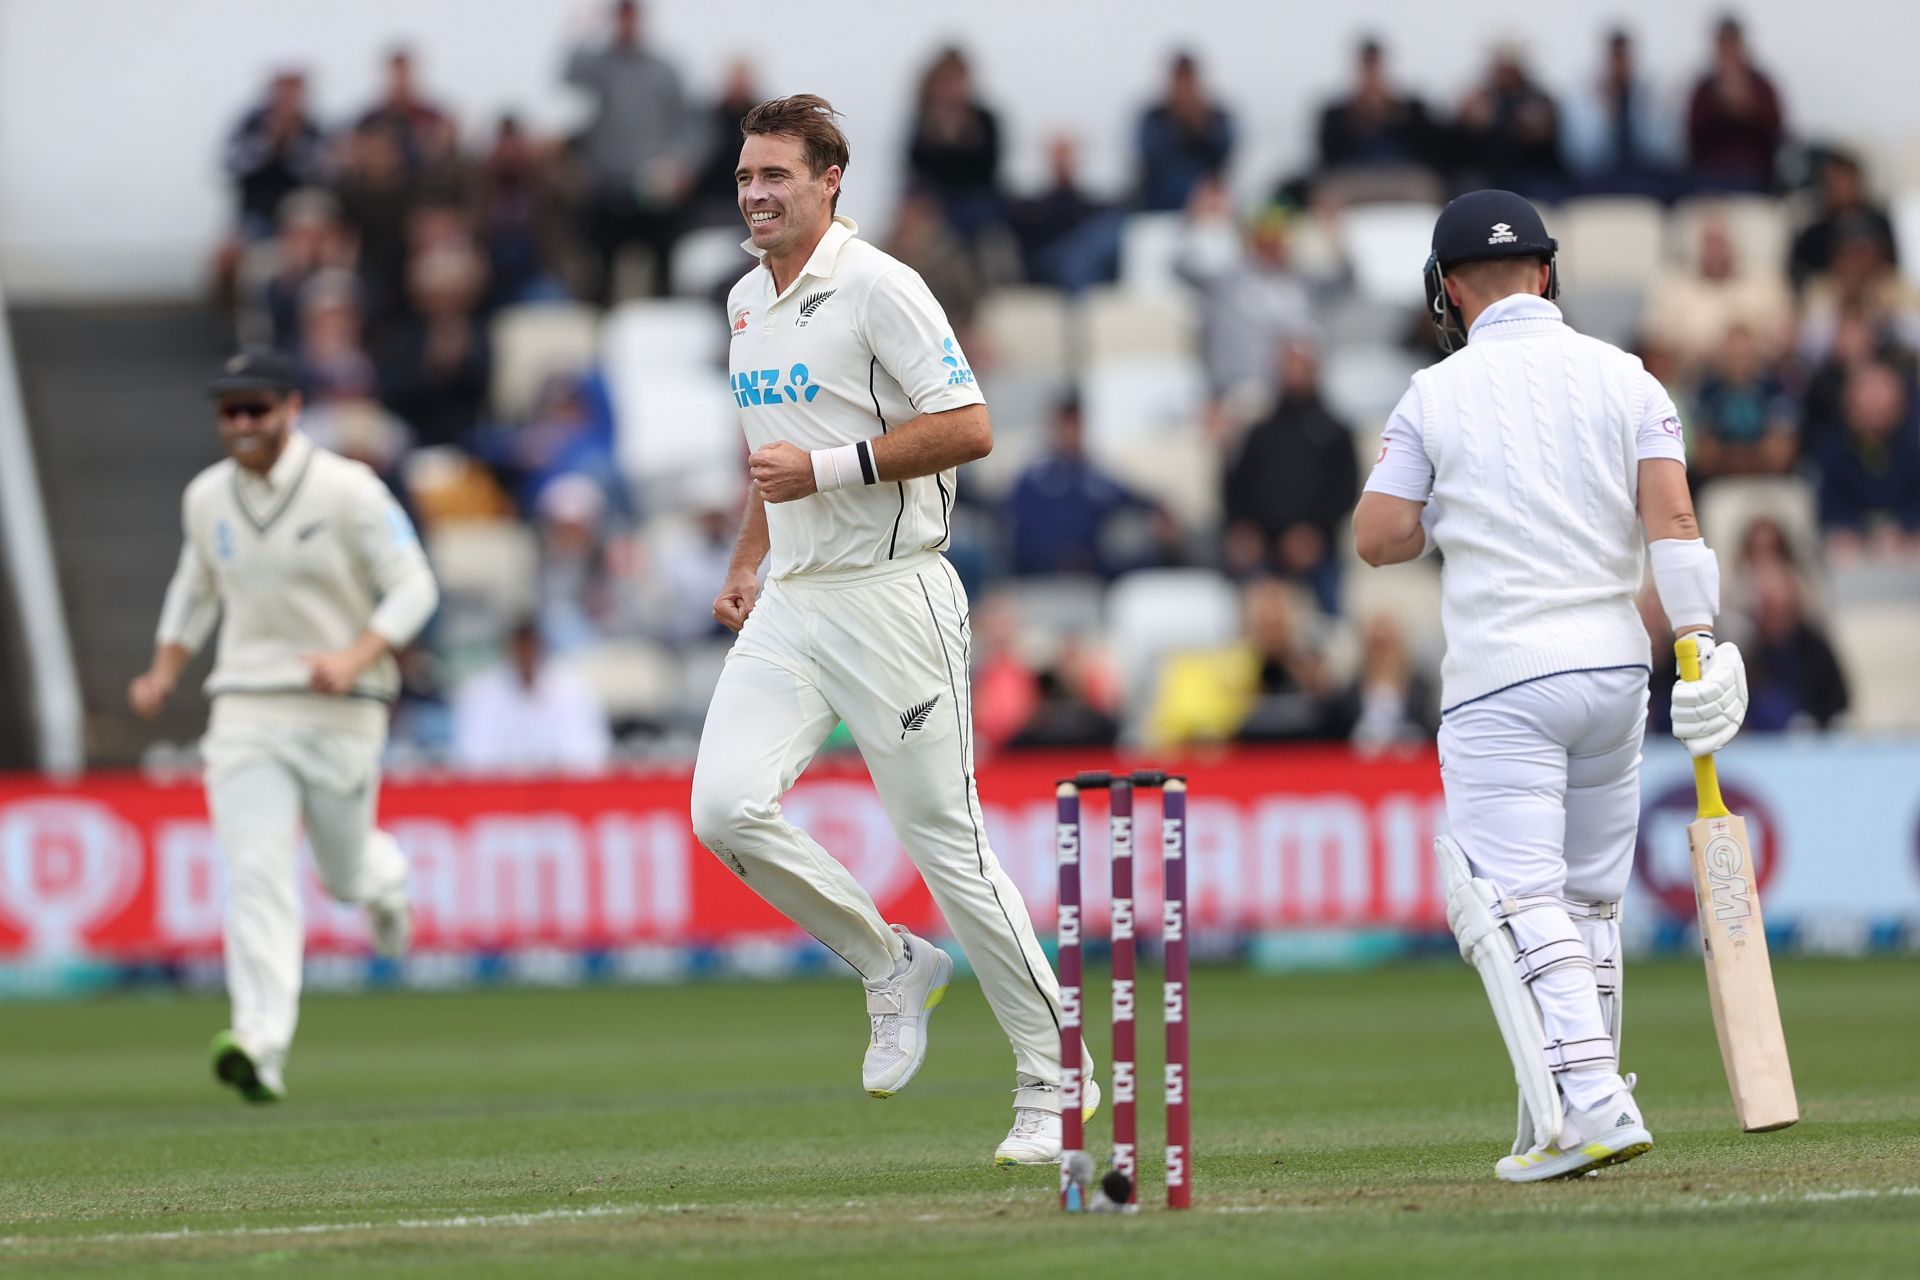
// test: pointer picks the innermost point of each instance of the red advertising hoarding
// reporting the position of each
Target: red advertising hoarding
(122, 868)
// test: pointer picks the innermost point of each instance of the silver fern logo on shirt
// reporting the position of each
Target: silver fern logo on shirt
(914, 719)
(812, 303)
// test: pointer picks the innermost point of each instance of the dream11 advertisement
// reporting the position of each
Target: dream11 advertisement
(126, 871)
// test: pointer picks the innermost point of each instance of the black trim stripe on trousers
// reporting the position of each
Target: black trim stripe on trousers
(963, 708)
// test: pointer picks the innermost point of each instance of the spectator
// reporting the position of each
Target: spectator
(377, 196)
(689, 559)
(1743, 418)
(529, 715)
(1291, 485)
(1844, 212)
(1182, 139)
(521, 215)
(1618, 139)
(1074, 703)
(438, 361)
(637, 150)
(1691, 312)
(334, 363)
(311, 239)
(1067, 238)
(1859, 278)
(1375, 143)
(1273, 685)
(1509, 131)
(1870, 472)
(570, 433)
(712, 199)
(421, 129)
(1251, 297)
(923, 241)
(1858, 336)
(1735, 123)
(274, 150)
(1392, 701)
(954, 152)
(579, 597)
(1065, 515)
(1006, 688)
(1794, 681)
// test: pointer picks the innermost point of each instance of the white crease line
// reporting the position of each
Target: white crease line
(460, 1221)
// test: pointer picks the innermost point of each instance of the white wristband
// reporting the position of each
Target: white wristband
(844, 465)
(1686, 573)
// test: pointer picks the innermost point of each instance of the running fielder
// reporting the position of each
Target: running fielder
(1533, 459)
(858, 406)
(319, 579)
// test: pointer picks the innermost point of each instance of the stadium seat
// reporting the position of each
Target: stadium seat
(1728, 506)
(1761, 228)
(1387, 245)
(1135, 404)
(1906, 231)
(1149, 245)
(700, 666)
(709, 260)
(1025, 329)
(1059, 606)
(1157, 612)
(1609, 312)
(1616, 241)
(536, 341)
(1362, 382)
(674, 336)
(1874, 643)
(634, 680)
(673, 430)
(491, 562)
(1121, 324)
(1873, 582)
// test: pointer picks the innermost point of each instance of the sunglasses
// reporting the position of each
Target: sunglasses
(248, 409)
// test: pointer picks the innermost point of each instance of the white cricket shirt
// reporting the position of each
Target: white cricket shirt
(1528, 443)
(852, 348)
(298, 561)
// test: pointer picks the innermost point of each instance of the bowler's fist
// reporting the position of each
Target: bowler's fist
(783, 471)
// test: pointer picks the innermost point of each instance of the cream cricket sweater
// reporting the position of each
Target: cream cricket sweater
(299, 561)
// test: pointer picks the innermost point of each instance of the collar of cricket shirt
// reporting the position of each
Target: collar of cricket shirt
(1514, 316)
(264, 499)
(821, 261)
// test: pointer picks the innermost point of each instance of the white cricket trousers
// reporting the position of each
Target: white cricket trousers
(886, 651)
(272, 765)
(1543, 793)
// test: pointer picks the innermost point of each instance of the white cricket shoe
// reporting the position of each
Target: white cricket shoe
(899, 1008)
(390, 924)
(1611, 1133)
(1035, 1136)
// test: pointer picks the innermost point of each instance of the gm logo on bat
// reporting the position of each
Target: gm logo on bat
(1732, 891)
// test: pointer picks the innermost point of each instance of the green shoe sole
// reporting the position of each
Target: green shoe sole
(232, 1065)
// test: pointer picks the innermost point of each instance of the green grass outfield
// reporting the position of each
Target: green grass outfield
(1345, 1125)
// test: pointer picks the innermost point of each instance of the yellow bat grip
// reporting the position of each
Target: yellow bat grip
(1706, 779)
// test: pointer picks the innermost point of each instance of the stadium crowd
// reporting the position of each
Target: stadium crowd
(523, 336)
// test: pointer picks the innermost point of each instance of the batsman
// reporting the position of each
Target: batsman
(1547, 468)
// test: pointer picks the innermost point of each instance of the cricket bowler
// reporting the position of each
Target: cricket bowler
(858, 405)
(316, 579)
(1533, 459)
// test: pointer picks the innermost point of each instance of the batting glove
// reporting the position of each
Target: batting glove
(1707, 712)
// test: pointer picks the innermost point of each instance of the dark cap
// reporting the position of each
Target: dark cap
(1490, 224)
(256, 369)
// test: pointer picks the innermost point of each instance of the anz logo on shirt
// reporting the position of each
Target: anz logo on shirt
(958, 374)
(222, 540)
(755, 387)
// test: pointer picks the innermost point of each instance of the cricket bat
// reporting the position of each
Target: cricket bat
(1746, 1013)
